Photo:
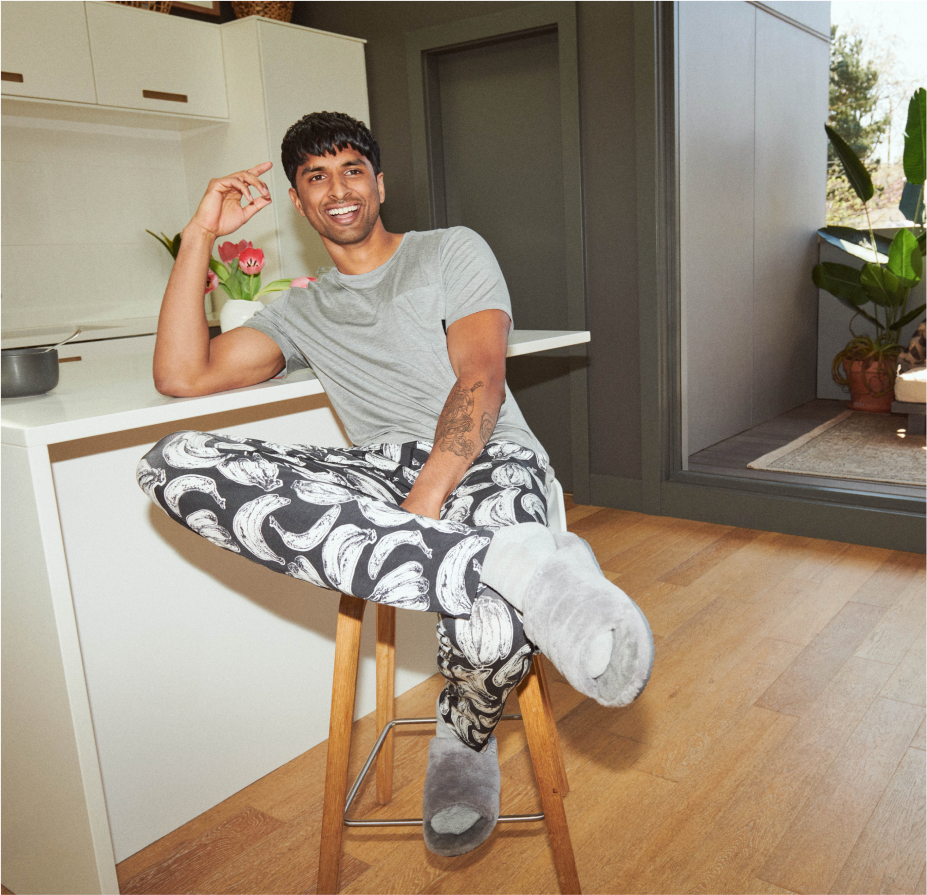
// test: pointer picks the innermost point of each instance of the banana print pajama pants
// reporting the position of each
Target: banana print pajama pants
(332, 517)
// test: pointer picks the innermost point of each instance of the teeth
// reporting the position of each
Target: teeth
(336, 211)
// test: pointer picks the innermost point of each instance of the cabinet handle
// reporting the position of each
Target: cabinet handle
(69, 360)
(11, 76)
(169, 97)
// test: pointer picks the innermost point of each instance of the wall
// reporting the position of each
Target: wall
(753, 93)
(605, 37)
(76, 201)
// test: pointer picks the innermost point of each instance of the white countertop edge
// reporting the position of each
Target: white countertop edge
(301, 384)
(530, 341)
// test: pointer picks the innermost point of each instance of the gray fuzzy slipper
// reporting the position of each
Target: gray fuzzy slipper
(461, 801)
(571, 604)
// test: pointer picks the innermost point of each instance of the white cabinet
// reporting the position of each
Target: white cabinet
(46, 52)
(276, 73)
(160, 63)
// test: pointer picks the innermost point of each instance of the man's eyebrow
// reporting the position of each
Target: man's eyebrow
(348, 163)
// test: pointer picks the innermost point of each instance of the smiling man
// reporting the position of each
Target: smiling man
(441, 505)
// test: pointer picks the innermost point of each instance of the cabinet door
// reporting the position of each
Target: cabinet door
(147, 60)
(46, 51)
(331, 75)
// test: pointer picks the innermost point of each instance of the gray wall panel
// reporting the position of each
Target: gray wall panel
(716, 132)
(753, 94)
(791, 181)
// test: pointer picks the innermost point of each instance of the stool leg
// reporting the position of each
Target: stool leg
(552, 719)
(546, 772)
(386, 695)
(347, 651)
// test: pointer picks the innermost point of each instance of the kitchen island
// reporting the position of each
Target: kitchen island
(148, 675)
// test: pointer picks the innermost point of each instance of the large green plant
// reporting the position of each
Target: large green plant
(879, 290)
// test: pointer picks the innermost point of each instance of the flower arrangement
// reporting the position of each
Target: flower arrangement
(238, 270)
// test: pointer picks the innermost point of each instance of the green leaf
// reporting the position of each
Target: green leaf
(881, 285)
(219, 269)
(915, 132)
(855, 170)
(911, 315)
(856, 242)
(165, 242)
(175, 245)
(275, 286)
(912, 202)
(841, 281)
(904, 257)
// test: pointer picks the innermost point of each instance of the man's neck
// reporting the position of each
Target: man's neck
(363, 257)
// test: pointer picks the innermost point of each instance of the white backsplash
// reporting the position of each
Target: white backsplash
(76, 201)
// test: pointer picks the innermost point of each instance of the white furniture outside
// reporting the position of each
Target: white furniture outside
(148, 677)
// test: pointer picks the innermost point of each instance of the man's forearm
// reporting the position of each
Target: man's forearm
(464, 427)
(182, 346)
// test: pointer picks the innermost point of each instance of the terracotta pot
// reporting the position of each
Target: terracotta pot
(870, 385)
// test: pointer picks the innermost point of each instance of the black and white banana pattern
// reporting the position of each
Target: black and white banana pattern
(332, 518)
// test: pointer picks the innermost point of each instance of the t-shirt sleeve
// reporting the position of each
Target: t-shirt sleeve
(272, 322)
(471, 275)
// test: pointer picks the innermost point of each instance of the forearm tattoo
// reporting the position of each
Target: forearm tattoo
(456, 422)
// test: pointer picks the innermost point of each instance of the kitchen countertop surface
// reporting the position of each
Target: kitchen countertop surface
(113, 394)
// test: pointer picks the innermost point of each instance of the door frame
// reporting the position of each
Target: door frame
(423, 46)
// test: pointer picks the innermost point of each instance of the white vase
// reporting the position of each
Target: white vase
(236, 311)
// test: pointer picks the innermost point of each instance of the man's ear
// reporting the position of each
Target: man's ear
(294, 198)
(381, 189)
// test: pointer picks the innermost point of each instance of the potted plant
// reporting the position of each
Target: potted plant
(238, 272)
(879, 290)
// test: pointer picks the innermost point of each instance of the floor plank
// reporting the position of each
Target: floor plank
(885, 857)
(813, 669)
(816, 846)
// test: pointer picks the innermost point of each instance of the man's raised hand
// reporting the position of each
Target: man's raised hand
(221, 212)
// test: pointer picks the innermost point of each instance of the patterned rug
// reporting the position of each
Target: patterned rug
(871, 447)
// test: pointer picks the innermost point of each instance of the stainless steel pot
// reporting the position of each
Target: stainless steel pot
(28, 371)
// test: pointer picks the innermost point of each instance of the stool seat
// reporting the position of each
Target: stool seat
(536, 712)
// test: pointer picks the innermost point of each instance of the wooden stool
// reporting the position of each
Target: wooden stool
(540, 727)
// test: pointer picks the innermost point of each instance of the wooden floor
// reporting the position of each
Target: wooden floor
(731, 456)
(779, 747)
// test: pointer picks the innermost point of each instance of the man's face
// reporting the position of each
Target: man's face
(339, 195)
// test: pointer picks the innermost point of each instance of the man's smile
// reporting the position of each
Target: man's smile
(341, 210)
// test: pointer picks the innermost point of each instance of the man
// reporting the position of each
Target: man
(442, 503)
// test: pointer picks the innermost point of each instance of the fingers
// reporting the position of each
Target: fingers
(243, 180)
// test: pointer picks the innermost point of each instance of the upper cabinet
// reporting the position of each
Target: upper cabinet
(156, 62)
(46, 52)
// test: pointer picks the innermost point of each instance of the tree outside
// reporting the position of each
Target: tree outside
(867, 85)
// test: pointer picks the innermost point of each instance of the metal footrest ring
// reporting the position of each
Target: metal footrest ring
(411, 821)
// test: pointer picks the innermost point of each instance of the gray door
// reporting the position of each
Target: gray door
(496, 159)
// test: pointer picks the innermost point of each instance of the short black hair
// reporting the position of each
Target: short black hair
(326, 133)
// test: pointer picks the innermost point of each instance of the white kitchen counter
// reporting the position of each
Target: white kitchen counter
(148, 676)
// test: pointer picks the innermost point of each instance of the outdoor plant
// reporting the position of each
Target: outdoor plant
(879, 290)
(238, 270)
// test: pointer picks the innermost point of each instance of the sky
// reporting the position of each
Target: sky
(903, 25)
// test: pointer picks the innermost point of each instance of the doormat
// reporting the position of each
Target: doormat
(863, 446)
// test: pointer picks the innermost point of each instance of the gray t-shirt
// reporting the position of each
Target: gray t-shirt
(377, 340)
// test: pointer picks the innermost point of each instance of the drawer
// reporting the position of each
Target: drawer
(147, 60)
(46, 52)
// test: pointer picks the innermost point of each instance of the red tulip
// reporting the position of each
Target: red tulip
(301, 282)
(251, 261)
(211, 282)
(229, 251)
